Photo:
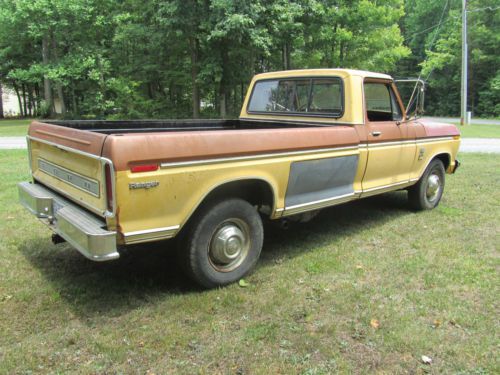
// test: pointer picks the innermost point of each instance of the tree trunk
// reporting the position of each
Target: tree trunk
(1, 101)
(341, 54)
(47, 89)
(194, 46)
(16, 89)
(25, 101)
(31, 101)
(286, 56)
(222, 101)
(38, 99)
(74, 108)
(223, 84)
(59, 87)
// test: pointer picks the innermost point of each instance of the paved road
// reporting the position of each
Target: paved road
(489, 145)
(9, 143)
(457, 120)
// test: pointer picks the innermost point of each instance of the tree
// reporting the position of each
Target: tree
(436, 53)
(1, 101)
(156, 58)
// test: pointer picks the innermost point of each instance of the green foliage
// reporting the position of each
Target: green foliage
(157, 58)
(441, 60)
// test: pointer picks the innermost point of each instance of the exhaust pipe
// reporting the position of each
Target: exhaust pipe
(57, 239)
(284, 224)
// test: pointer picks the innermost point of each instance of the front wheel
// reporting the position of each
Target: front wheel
(427, 192)
(223, 243)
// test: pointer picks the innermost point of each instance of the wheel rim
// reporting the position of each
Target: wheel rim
(433, 187)
(229, 245)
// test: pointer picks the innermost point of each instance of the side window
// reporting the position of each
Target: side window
(381, 103)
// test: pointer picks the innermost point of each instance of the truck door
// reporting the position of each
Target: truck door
(390, 149)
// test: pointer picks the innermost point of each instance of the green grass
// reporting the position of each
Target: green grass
(480, 131)
(429, 278)
(14, 128)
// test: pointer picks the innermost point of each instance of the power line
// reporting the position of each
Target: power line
(481, 9)
(450, 18)
(429, 28)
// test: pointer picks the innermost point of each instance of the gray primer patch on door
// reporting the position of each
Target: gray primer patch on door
(314, 180)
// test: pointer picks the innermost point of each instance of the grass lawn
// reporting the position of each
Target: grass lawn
(367, 287)
(14, 128)
(480, 131)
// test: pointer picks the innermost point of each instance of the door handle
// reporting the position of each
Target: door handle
(376, 133)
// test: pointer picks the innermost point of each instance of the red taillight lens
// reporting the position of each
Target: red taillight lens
(144, 168)
(109, 187)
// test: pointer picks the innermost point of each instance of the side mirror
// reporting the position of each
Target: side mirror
(412, 90)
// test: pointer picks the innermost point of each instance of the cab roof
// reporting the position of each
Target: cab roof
(322, 72)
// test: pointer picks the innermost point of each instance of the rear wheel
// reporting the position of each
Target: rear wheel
(427, 192)
(223, 243)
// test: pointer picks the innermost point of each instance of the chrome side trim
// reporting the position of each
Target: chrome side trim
(413, 141)
(434, 139)
(150, 234)
(292, 210)
(385, 186)
(391, 143)
(103, 161)
(256, 157)
(145, 231)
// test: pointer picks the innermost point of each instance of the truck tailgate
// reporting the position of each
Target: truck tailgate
(68, 161)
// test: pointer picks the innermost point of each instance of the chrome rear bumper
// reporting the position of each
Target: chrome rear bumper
(81, 229)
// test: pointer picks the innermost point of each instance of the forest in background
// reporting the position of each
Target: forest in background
(195, 58)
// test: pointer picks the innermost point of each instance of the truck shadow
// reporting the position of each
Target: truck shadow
(150, 272)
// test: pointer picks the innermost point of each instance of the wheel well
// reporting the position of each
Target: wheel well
(445, 158)
(255, 191)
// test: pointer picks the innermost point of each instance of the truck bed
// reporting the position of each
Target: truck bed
(148, 126)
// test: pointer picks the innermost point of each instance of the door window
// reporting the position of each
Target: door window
(381, 103)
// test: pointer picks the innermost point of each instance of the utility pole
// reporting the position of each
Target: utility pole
(464, 119)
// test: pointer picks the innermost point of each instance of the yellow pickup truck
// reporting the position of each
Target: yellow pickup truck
(305, 140)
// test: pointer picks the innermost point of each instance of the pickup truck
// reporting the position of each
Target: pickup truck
(305, 140)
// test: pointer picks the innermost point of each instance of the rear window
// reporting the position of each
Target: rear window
(301, 96)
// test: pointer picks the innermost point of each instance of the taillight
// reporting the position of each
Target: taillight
(144, 168)
(109, 187)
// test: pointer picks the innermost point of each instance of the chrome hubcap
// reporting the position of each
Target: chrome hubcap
(433, 185)
(229, 245)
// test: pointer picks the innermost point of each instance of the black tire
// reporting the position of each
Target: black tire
(222, 243)
(427, 192)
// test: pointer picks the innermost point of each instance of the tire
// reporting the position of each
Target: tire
(223, 243)
(427, 192)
